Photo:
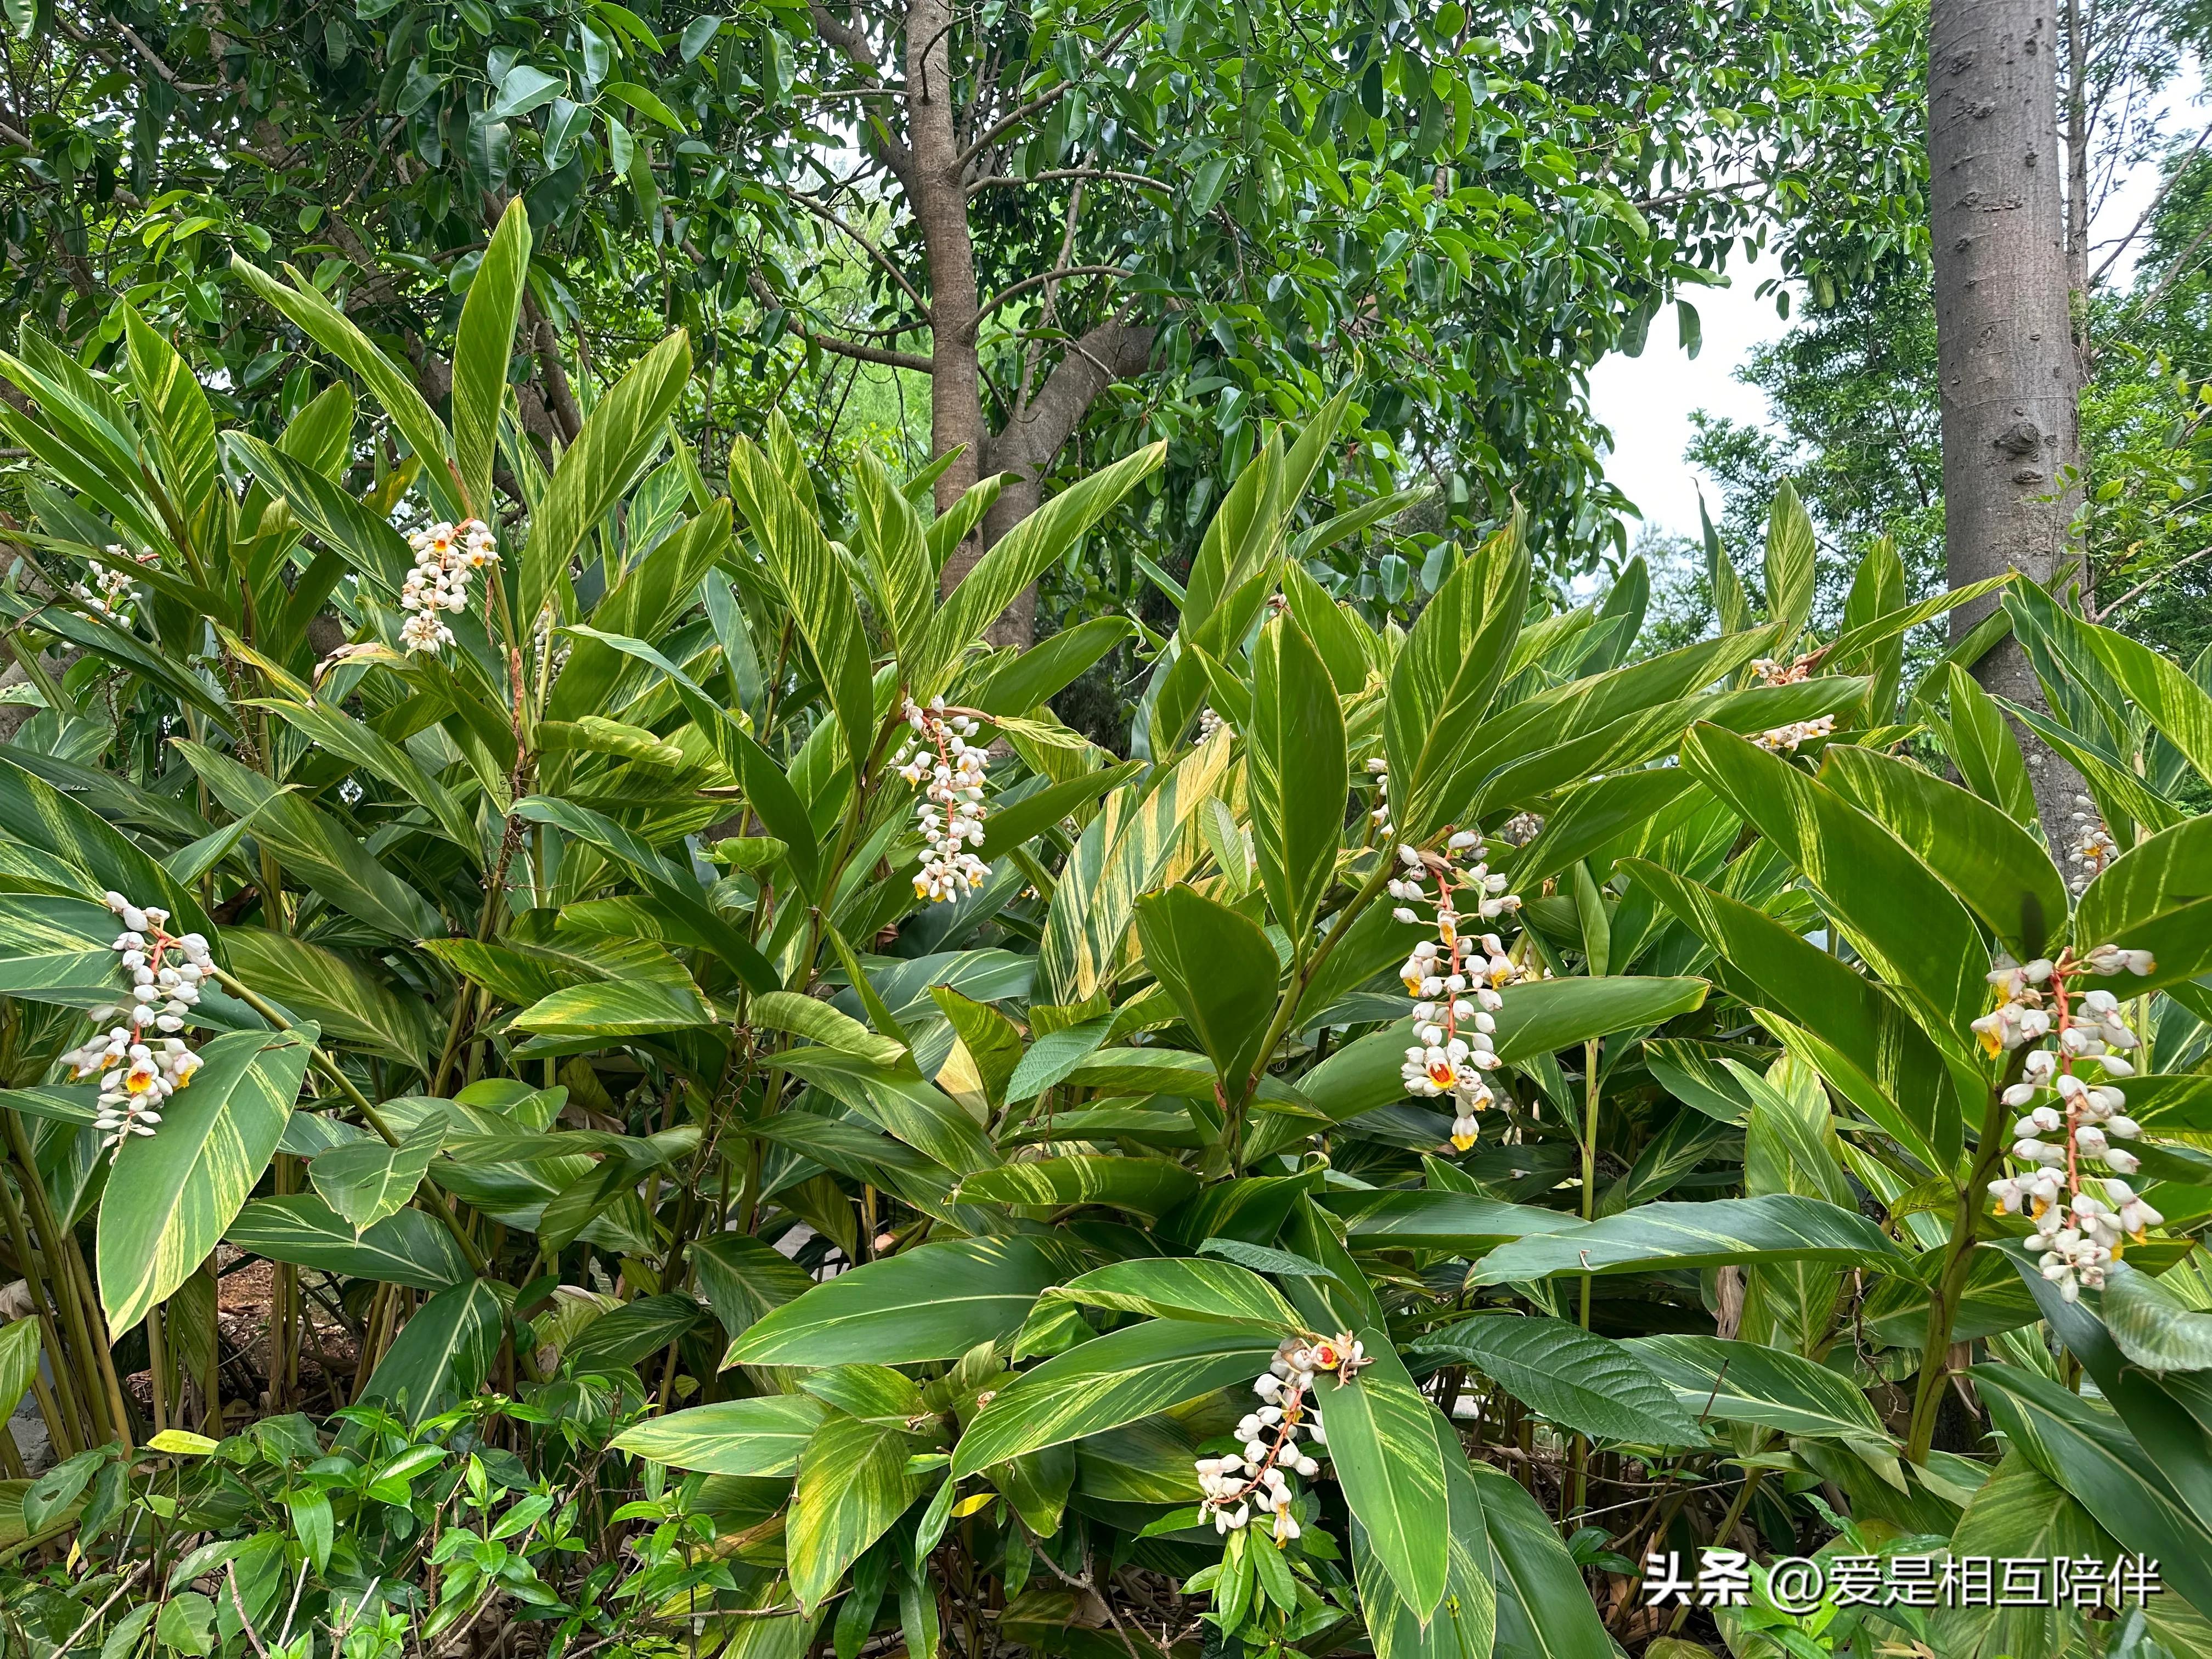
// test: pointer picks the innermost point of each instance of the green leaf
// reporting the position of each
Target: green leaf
(19, 1363)
(353, 1005)
(1749, 1383)
(743, 1276)
(2000, 871)
(1019, 681)
(757, 1437)
(815, 588)
(1150, 1186)
(1983, 750)
(674, 887)
(1385, 1445)
(485, 340)
(2155, 896)
(330, 328)
(1904, 920)
(1789, 561)
(626, 1336)
(1544, 1608)
(1895, 1074)
(645, 103)
(367, 543)
(1740, 1232)
(1181, 1287)
(188, 1180)
(897, 556)
(1442, 684)
(407, 1248)
(442, 1355)
(1464, 1624)
(35, 813)
(935, 1302)
(313, 845)
(59, 950)
(1536, 1019)
(368, 1180)
(816, 1021)
(2019, 1514)
(1296, 777)
(1111, 1380)
(1221, 971)
(1019, 558)
(1569, 1375)
(1461, 1223)
(2179, 708)
(2093, 1457)
(2154, 1328)
(625, 427)
(921, 1113)
(330, 728)
(768, 790)
(853, 1484)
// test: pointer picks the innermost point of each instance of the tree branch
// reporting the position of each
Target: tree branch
(2157, 201)
(874, 253)
(1059, 274)
(1006, 180)
(2149, 582)
(837, 348)
(1045, 99)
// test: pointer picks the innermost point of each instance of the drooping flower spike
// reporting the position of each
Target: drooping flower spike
(139, 1059)
(2074, 1111)
(1258, 1476)
(1455, 977)
(942, 758)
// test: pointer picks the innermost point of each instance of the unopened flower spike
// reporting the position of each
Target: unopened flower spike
(139, 1059)
(1784, 739)
(2074, 1112)
(945, 760)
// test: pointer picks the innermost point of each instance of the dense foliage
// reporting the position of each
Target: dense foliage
(760, 1139)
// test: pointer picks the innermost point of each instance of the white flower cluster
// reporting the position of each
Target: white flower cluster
(1784, 739)
(2078, 1233)
(2094, 845)
(446, 557)
(941, 758)
(1521, 828)
(109, 590)
(137, 1074)
(1209, 723)
(1455, 977)
(1258, 1477)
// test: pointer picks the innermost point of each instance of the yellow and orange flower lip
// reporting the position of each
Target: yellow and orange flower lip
(1442, 1073)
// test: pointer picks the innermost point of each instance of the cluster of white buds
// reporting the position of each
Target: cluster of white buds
(1379, 769)
(1209, 723)
(1521, 828)
(2068, 1091)
(109, 590)
(2094, 845)
(446, 557)
(1453, 978)
(139, 1069)
(1259, 1476)
(941, 757)
(1784, 739)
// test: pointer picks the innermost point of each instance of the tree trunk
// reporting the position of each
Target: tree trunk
(2010, 377)
(940, 210)
(1039, 428)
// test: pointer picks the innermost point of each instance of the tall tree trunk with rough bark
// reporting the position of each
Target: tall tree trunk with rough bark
(2011, 375)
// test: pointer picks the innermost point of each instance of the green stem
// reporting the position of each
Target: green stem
(1580, 1451)
(1230, 1149)
(67, 1420)
(53, 1247)
(1958, 1262)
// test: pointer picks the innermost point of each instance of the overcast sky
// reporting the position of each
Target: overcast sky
(1647, 400)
